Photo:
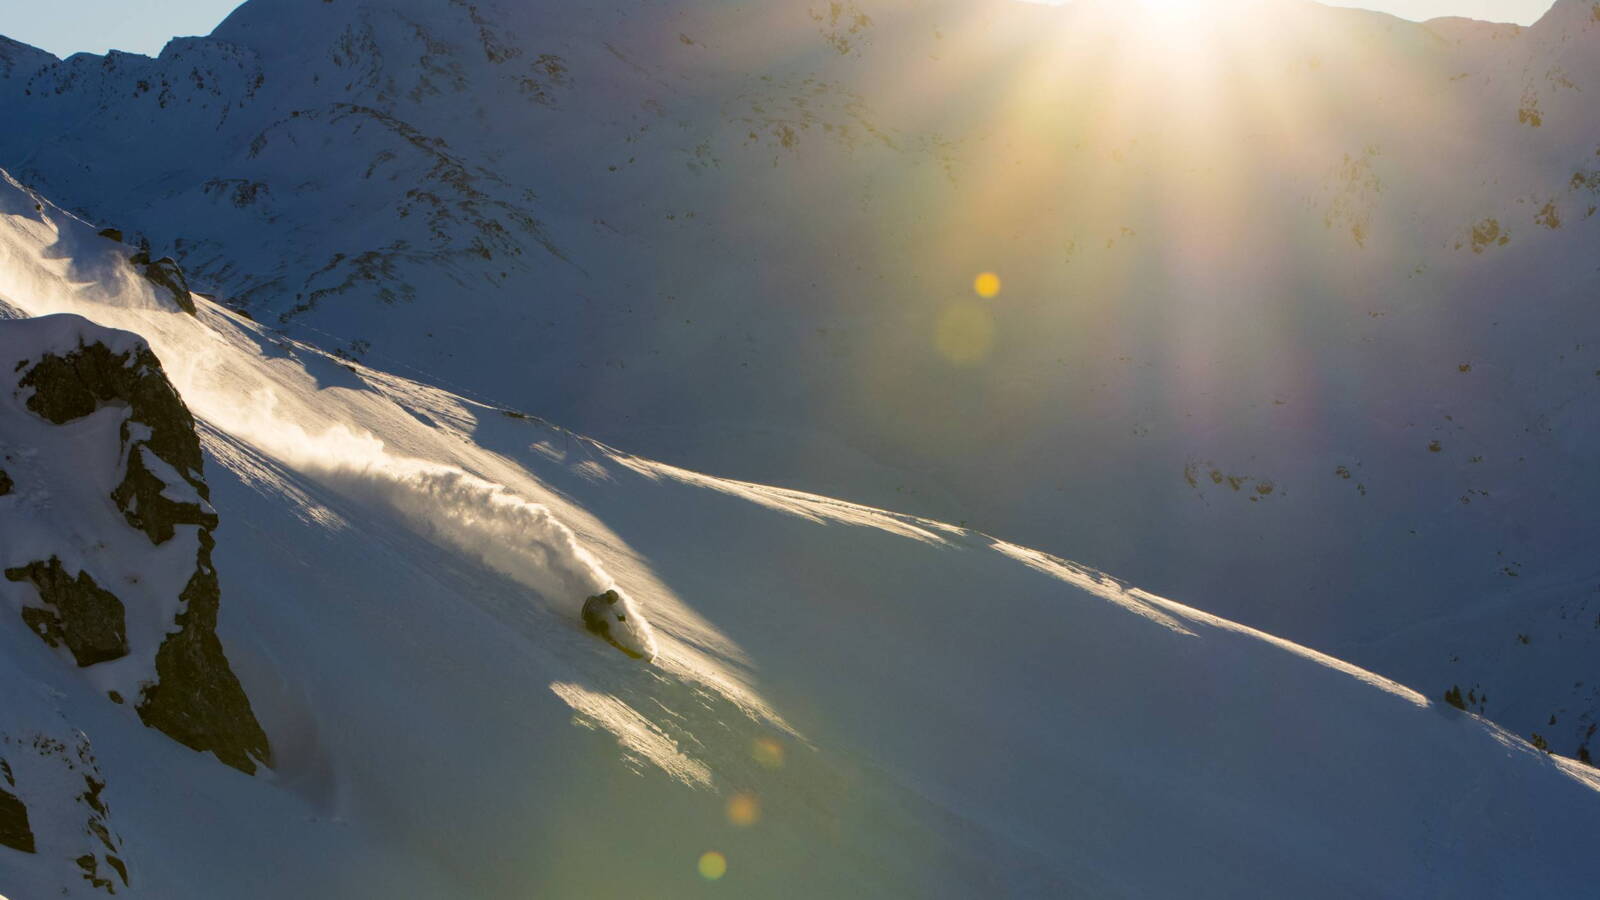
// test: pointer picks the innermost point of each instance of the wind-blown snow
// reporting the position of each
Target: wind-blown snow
(512, 535)
(515, 536)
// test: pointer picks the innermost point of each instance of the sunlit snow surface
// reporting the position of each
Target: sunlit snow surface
(921, 710)
(1291, 312)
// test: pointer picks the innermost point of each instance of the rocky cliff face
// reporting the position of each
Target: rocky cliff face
(157, 435)
(147, 616)
(15, 832)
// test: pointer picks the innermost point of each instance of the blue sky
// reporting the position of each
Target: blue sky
(68, 26)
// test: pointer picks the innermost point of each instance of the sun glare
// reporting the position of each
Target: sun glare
(1175, 10)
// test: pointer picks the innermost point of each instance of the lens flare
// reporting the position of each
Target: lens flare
(744, 810)
(965, 333)
(713, 865)
(767, 752)
(987, 285)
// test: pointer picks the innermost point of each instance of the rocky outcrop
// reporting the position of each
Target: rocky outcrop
(70, 386)
(196, 699)
(88, 619)
(193, 695)
(107, 844)
(142, 497)
(65, 815)
(6, 483)
(165, 273)
(14, 829)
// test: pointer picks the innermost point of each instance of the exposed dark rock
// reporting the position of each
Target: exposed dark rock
(97, 828)
(90, 865)
(197, 700)
(73, 386)
(91, 795)
(598, 611)
(146, 508)
(14, 829)
(6, 484)
(120, 867)
(166, 274)
(88, 619)
(113, 234)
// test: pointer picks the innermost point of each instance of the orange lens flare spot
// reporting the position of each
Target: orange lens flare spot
(713, 865)
(987, 285)
(965, 333)
(767, 752)
(744, 810)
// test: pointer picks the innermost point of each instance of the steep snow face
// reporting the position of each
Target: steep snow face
(844, 702)
(1353, 405)
(1288, 304)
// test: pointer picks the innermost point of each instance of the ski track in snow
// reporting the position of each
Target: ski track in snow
(512, 535)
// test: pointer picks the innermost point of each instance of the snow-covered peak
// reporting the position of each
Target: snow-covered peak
(16, 56)
(1572, 15)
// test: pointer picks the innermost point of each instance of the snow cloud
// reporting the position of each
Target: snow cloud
(508, 533)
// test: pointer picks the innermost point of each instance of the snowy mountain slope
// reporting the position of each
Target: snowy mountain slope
(1269, 365)
(844, 702)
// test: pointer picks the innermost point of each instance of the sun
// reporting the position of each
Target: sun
(1175, 10)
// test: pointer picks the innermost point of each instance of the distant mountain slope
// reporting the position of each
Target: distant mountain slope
(1296, 318)
(846, 702)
